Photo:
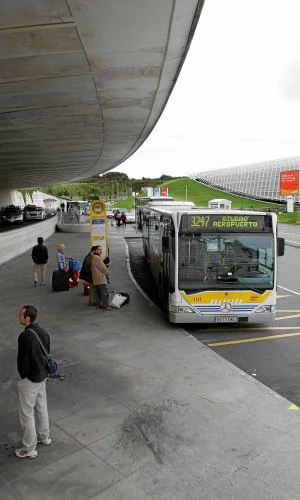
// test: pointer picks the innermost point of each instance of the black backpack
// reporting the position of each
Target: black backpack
(85, 272)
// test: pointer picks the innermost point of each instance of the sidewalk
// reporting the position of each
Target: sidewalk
(144, 410)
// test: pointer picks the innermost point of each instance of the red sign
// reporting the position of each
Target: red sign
(289, 182)
(164, 191)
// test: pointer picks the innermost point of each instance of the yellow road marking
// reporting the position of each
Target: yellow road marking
(257, 339)
(288, 317)
(250, 329)
(282, 296)
(288, 310)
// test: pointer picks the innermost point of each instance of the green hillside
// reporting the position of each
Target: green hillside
(186, 189)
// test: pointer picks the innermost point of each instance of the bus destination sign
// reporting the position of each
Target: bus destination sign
(225, 223)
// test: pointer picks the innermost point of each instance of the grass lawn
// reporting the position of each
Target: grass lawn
(190, 190)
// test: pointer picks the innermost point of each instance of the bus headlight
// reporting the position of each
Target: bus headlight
(181, 309)
(263, 309)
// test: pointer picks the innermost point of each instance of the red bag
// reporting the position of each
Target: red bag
(73, 278)
(86, 288)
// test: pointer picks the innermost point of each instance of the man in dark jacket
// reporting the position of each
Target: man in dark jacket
(40, 258)
(32, 368)
(86, 275)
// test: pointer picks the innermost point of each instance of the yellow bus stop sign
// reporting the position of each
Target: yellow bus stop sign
(98, 226)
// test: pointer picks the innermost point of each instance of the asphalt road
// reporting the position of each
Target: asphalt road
(9, 227)
(271, 352)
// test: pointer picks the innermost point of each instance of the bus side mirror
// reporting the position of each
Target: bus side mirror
(280, 247)
(165, 244)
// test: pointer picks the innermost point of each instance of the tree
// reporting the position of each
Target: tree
(165, 177)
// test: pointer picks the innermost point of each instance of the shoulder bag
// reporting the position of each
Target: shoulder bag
(51, 364)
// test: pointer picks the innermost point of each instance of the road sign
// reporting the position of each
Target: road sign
(98, 226)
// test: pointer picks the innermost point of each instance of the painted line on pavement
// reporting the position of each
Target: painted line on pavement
(257, 339)
(288, 310)
(240, 329)
(288, 290)
(287, 317)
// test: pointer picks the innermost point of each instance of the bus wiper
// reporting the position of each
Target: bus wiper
(250, 287)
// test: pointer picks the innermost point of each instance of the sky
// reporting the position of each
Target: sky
(237, 99)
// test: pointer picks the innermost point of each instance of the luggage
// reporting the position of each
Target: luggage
(86, 288)
(73, 278)
(119, 300)
(74, 267)
(60, 281)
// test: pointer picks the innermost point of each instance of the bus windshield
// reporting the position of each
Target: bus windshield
(219, 261)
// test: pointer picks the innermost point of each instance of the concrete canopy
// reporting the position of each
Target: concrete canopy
(83, 82)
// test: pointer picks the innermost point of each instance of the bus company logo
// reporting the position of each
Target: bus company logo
(225, 307)
(98, 208)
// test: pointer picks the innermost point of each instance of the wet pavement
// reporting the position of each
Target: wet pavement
(143, 410)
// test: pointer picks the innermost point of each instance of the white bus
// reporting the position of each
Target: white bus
(141, 201)
(213, 266)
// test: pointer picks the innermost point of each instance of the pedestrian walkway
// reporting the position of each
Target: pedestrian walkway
(143, 410)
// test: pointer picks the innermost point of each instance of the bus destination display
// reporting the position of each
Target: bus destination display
(225, 223)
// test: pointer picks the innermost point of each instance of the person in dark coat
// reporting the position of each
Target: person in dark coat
(39, 256)
(86, 275)
(118, 218)
(32, 368)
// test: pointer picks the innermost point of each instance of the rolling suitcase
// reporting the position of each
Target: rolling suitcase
(60, 281)
(74, 267)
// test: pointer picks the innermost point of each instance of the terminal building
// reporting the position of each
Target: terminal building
(256, 180)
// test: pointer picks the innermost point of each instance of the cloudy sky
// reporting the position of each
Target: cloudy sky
(237, 99)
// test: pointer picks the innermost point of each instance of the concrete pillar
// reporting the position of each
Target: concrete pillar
(11, 197)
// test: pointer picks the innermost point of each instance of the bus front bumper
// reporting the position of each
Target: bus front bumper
(222, 319)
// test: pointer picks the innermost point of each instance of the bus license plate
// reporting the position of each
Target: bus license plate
(226, 319)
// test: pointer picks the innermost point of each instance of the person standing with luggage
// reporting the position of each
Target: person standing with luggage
(99, 274)
(32, 368)
(61, 258)
(86, 275)
(39, 256)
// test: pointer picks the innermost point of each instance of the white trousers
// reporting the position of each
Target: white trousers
(33, 399)
(39, 269)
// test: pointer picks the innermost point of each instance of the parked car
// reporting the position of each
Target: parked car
(130, 217)
(110, 213)
(32, 212)
(11, 215)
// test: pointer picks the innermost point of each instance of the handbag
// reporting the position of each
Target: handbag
(118, 300)
(51, 364)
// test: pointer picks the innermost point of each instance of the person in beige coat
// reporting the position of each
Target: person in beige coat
(100, 273)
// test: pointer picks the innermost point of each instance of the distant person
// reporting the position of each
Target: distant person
(72, 212)
(32, 368)
(99, 274)
(118, 218)
(62, 206)
(39, 256)
(123, 218)
(61, 258)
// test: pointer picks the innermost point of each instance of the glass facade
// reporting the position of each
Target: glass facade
(257, 180)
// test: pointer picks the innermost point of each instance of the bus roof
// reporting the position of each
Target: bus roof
(182, 208)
